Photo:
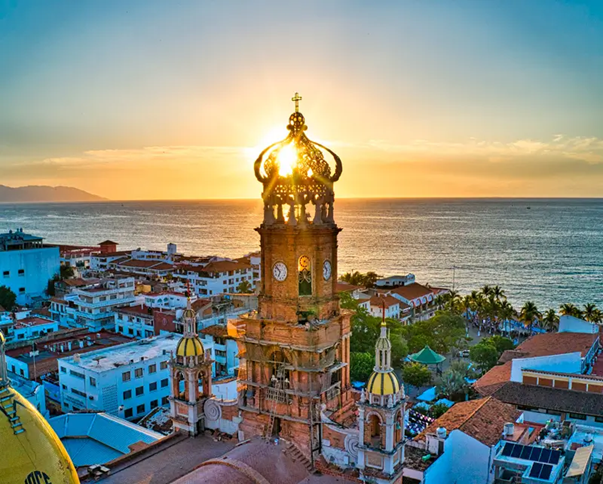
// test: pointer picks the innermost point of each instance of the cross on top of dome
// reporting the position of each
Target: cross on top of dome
(295, 172)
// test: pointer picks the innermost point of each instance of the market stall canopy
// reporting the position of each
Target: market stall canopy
(427, 357)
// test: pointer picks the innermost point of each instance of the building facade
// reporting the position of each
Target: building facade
(26, 265)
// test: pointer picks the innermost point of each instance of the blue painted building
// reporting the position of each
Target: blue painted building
(26, 265)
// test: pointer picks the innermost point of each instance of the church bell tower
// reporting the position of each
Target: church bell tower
(295, 349)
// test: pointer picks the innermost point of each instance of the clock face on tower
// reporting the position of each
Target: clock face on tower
(326, 270)
(279, 271)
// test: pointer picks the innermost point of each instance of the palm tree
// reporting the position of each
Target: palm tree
(506, 311)
(486, 290)
(528, 314)
(569, 309)
(498, 293)
(550, 320)
(590, 312)
(598, 316)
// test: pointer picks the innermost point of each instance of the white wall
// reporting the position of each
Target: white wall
(453, 467)
(565, 363)
(570, 324)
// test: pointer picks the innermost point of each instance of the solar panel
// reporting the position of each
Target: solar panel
(516, 450)
(535, 454)
(507, 449)
(555, 455)
(536, 469)
(525, 453)
(545, 473)
(545, 456)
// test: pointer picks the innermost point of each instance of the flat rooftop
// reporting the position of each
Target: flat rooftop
(133, 352)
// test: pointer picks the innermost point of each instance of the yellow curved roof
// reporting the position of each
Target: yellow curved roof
(383, 383)
(37, 452)
(190, 346)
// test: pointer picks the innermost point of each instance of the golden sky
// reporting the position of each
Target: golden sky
(158, 100)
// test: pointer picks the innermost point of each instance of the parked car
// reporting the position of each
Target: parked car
(464, 354)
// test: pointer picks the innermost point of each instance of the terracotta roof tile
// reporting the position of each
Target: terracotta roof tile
(482, 419)
(412, 291)
(493, 379)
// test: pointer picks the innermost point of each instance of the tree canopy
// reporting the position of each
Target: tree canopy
(441, 333)
(484, 355)
(7, 298)
(359, 279)
(416, 374)
(361, 366)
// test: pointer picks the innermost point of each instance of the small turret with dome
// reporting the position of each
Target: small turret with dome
(189, 345)
(31, 450)
(381, 412)
(383, 381)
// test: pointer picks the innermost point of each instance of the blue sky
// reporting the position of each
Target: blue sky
(465, 98)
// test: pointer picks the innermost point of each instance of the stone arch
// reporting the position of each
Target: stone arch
(399, 426)
(180, 385)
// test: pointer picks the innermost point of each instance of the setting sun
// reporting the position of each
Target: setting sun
(287, 158)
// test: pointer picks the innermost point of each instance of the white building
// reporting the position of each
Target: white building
(63, 310)
(135, 321)
(394, 308)
(217, 277)
(32, 391)
(32, 327)
(95, 305)
(127, 380)
(395, 281)
(166, 300)
(26, 265)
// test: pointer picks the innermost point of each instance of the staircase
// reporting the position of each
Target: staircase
(9, 408)
(296, 455)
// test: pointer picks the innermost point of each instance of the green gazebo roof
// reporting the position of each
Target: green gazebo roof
(427, 357)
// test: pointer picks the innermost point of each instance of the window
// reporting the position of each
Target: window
(304, 268)
(21, 290)
(21, 272)
(153, 386)
(164, 383)
(6, 273)
(21, 371)
(138, 372)
(154, 403)
(64, 387)
(120, 329)
(128, 413)
(77, 392)
(140, 408)
(164, 401)
(163, 365)
(127, 394)
(577, 416)
(126, 376)
(152, 368)
(63, 369)
(77, 374)
(92, 381)
(599, 419)
(139, 391)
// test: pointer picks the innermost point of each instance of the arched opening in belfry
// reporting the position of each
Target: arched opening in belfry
(304, 268)
(373, 430)
(398, 427)
(180, 386)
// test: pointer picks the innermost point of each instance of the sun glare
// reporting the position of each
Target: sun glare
(287, 158)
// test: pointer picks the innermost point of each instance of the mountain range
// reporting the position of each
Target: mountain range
(45, 194)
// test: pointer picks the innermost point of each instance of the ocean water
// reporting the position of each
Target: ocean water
(549, 253)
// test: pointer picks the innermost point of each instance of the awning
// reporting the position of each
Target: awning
(580, 461)
(427, 357)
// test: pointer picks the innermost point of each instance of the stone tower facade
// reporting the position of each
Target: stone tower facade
(190, 377)
(294, 351)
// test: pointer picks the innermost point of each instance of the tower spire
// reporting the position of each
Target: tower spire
(383, 346)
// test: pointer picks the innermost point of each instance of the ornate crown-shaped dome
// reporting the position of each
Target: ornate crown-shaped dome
(294, 172)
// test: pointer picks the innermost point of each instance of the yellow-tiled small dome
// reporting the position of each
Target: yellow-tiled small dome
(383, 383)
(190, 346)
